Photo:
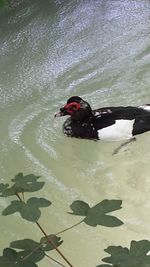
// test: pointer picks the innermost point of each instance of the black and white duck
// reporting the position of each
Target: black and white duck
(107, 123)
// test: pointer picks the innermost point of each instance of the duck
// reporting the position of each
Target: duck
(106, 123)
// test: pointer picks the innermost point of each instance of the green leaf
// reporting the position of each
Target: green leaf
(140, 247)
(10, 254)
(121, 256)
(80, 208)
(36, 250)
(3, 3)
(38, 202)
(27, 183)
(136, 256)
(15, 206)
(97, 215)
(27, 246)
(24, 244)
(102, 219)
(10, 259)
(47, 246)
(29, 213)
(30, 210)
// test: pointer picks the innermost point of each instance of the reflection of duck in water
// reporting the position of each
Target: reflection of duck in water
(108, 123)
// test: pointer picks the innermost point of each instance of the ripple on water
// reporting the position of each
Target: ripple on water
(100, 51)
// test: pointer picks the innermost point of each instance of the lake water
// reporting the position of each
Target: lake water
(49, 51)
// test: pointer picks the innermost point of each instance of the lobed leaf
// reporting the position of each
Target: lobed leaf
(27, 183)
(29, 247)
(10, 258)
(136, 256)
(47, 246)
(29, 210)
(24, 244)
(80, 208)
(97, 215)
(15, 206)
(36, 250)
(139, 248)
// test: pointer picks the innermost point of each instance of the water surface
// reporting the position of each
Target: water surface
(50, 51)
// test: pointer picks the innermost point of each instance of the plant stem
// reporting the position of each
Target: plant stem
(48, 239)
(34, 250)
(74, 225)
(52, 243)
(38, 247)
(19, 197)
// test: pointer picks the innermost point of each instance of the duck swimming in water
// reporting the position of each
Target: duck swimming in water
(107, 123)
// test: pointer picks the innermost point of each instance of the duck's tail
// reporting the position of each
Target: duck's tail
(145, 107)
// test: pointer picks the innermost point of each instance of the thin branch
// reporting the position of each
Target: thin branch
(34, 250)
(74, 225)
(52, 243)
(39, 246)
(48, 239)
(19, 197)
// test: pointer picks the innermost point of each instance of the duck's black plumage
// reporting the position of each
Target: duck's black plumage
(110, 123)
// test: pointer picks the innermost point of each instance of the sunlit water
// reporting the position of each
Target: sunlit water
(99, 50)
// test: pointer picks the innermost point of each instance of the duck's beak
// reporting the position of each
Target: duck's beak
(61, 113)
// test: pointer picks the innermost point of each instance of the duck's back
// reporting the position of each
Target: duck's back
(127, 113)
(118, 123)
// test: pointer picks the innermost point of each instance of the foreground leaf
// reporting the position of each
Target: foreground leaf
(27, 247)
(10, 259)
(3, 3)
(27, 183)
(47, 246)
(80, 208)
(136, 256)
(97, 215)
(15, 206)
(29, 210)
(35, 251)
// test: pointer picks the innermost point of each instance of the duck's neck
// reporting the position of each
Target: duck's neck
(83, 116)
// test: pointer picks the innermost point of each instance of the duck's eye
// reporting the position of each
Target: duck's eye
(74, 107)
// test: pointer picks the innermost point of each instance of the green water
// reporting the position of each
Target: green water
(50, 51)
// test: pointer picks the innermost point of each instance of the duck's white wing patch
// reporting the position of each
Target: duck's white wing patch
(120, 130)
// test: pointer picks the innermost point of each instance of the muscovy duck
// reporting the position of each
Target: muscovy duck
(107, 123)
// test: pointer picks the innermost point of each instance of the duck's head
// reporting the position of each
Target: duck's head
(77, 108)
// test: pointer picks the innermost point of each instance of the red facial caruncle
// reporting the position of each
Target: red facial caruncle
(72, 107)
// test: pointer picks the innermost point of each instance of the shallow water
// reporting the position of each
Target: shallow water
(49, 52)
